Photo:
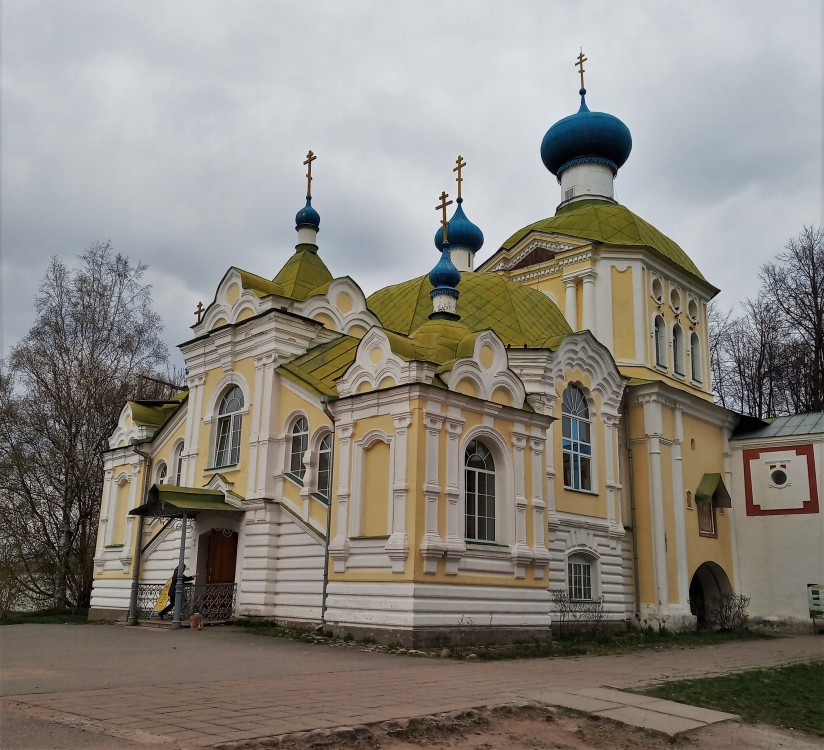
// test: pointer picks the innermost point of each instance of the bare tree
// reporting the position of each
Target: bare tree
(769, 360)
(63, 388)
(795, 285)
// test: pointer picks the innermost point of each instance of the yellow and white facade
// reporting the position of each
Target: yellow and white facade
(446, 453)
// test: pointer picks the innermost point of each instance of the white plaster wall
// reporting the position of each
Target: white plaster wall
(407, 605)
(588, 180)
(779, 554)
(614, 554)
(281, 568)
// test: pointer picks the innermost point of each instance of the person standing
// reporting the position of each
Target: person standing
(173, 591)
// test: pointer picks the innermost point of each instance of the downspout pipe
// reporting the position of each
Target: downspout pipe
(138, 550)
(324, 402)
(632, 506)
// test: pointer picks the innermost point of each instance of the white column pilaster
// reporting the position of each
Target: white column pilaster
(432, 545)
(540, 553)
(571, 302)
(653, 423)
(678, 512)
(339, 545)
(588, 315)
(194, 418)
(397, 546)
(455, 541)
(521, 552)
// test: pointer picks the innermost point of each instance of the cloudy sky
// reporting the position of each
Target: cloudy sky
(178, 131)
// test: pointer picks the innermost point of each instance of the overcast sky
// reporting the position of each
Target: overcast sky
(178, 130)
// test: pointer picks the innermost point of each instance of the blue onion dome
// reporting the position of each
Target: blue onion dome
(444, 277)
(462, 232)
(307, 216)
(586, 137)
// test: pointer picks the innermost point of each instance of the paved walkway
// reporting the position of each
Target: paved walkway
(223, 685)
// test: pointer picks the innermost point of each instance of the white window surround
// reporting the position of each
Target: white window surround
(582, 573)
(161, 473)
(695, 357)
(176, 476)
(298, 441)
(229, 424)
(210, 412)
(480, 493)
(678, 350)
(576, 439)
(504, 484)
(659, 342)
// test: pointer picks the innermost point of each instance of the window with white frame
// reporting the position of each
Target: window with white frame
(678, 349)
(162, 473)
(325, 467)
(577, 440)
(300, 442)
(177, 463)
(479, 478)
(695, 357)
(579, 578)
(660, 342)
(229, 420)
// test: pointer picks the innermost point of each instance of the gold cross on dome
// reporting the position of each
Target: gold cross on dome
(310, 157)
(580, 64)
(461, 164)
(199, 311)
(442, 207)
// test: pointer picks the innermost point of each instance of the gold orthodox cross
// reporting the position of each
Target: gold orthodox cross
(461, 164)
(442, 207)
(310, 157)
(199, 311)
(580, 64)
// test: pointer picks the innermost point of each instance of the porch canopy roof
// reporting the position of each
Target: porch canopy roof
(170, 501)
(711, 489)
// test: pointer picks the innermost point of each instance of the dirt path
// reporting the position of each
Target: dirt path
(534, 728)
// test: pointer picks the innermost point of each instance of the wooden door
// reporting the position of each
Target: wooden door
(220, 565)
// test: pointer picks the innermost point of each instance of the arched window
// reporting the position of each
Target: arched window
(580, 578)
(479, 474)
(300, 442)
(577, 440)
(325, 467)
(162, 474)
(177, 464)
(660, 342)
(229, 421)
(678, 349)
(695, 357)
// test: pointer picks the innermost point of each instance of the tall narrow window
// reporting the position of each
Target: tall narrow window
(325, 467)
(695, 357)
(228, 428)
(300, 442)
(678, 349)
(178, 465)
(479, 474)
(579, 579)
(577, 441)
(162, 473)
(660, 342)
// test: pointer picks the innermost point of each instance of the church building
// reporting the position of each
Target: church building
(452, 452)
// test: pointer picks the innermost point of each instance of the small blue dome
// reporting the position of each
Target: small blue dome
(444, 276)
(461, 233)
(594, 137)
(307, 216)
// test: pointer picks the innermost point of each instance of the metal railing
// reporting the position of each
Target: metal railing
(215, 601)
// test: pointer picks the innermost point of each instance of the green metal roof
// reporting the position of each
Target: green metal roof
(155, 415)
(518, 314)
(711, 488)
(170, 501)
(303, 273)
(322, 365)
(611, 224)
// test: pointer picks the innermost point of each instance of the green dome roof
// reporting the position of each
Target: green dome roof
(518, 314)
(610, 223)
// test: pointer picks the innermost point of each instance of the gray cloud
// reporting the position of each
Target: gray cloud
(178, 131)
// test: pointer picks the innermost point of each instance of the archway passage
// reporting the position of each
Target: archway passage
(222, 556)
(708, 583)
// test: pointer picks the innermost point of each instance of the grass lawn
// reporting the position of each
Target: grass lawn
(791, 696)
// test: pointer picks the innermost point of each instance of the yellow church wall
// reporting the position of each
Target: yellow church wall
(623, 310)
(376, 498)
